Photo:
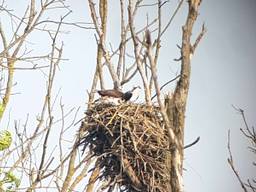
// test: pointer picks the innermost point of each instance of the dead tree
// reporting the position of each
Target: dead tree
(118, 135)
(29, 163)
(250, 134)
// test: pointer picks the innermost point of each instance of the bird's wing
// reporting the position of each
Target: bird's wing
(111, 93)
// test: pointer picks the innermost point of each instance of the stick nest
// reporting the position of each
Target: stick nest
(131, 144)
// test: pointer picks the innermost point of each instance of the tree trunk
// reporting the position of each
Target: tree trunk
(176, 103)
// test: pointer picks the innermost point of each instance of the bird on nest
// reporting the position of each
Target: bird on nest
(116, 95)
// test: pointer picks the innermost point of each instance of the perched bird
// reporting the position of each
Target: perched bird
(114, 93)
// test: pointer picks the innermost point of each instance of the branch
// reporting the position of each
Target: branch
(137, 56)
(176, 103)
(52, 71)
(82, 174)
(198, 39)
(122, 46)
(231, 163)
(71, 169)
(174, 14)
(248, 132)
(93, 177)
(168, 82)
(193, 143)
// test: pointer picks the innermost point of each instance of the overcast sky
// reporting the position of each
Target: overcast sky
(223, 74)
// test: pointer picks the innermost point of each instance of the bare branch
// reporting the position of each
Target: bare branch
(136, 53)
(172, 17)
(231, 164)
(121, 59)
(193, 143)
(198, 39)
(168, 82)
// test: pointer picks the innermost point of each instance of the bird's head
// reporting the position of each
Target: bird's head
(131, 94)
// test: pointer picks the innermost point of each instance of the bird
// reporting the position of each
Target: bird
(115, 93)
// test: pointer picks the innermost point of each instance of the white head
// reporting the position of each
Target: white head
(135, 93)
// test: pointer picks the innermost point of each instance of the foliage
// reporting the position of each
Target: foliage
(1, 109)
(8, 181)
(5, 140)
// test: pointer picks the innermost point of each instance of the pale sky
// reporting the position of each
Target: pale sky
(223, 74)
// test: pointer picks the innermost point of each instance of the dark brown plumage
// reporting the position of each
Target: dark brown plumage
(111, 93)
(117, 94)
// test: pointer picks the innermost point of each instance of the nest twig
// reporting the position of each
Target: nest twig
(131, 143)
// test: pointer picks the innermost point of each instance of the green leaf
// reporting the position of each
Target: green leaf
(9, 183)
(1, 109)
(13, 179)
(5, 139)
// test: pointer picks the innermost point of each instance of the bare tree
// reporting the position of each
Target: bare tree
(146, 46)
(250, 134)
(159, 125)
(30, 164)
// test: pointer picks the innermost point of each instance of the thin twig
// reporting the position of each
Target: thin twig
(166, 84)
(231, 164)
(193, 143)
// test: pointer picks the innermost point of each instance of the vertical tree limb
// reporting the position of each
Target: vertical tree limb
(93, 177)
(137, 55)
(176, 102)
(99, 29)
(70, 172)
(121, 59)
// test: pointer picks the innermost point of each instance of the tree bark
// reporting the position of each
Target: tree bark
(176, 103)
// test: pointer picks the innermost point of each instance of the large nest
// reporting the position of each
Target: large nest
(131, 144)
